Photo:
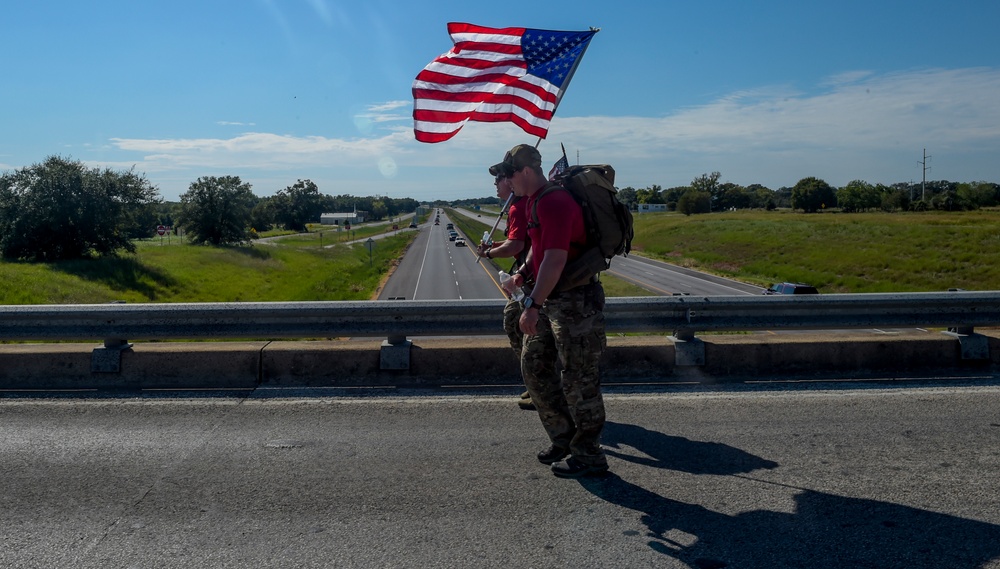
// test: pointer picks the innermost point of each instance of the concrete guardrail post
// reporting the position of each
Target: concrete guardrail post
(688, 350)
(395, 353)
(108, 359)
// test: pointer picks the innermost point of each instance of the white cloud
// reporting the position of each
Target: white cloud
(389, 106)
(857, 125)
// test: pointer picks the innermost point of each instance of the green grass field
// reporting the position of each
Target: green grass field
(179, 272)
(836, 252)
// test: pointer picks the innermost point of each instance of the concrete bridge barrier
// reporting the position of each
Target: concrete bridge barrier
(486, 360)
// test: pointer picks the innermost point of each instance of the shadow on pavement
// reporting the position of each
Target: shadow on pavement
(678, 453)
(824, 531)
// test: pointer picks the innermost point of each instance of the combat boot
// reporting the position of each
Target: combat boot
(573, 468)
(552, 454)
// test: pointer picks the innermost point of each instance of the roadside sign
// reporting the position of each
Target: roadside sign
(161, 230)
(370, 245)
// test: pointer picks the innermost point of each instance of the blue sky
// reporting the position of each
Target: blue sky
(274, 91)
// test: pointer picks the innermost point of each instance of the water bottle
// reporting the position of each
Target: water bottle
(487, 241)
(518, 294)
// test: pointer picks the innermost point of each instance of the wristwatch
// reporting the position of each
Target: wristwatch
(488, 256)
(530, 303)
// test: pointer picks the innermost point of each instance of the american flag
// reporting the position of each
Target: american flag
(513, 75)
(559, 167)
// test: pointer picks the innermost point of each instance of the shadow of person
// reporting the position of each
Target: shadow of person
(823, 531)
(678, 453)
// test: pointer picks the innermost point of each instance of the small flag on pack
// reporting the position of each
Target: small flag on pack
(559, 167)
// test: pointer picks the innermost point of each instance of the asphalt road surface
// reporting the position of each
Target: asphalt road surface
(886, 478)
(435, 268)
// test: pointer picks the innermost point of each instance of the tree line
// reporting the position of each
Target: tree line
(706, 194)
(60, 209)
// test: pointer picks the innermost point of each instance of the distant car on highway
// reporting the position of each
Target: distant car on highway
(460, 242)
(413, 226)
(790, 288)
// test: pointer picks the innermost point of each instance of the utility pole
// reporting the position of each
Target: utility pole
(923, 183)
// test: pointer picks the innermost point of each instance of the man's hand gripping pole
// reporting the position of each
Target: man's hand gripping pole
(489, 237)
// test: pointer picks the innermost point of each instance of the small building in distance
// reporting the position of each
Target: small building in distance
(351, 218)
(651, 207)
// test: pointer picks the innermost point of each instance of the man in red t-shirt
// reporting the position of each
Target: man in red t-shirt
(561, 325)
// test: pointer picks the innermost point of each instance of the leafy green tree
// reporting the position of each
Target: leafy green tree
(673, 195)
(859, 195)
(761, 197)
(649, 195)
(627, 197)
(708, 183)
(297, 205)
(378, 209)
(978, 194)
(262, 215)
(733, 196)
(217, 210)
(694, 201)
(947, 200)
(783, 197)
(894, 198)
(59, 210)
(812, 194)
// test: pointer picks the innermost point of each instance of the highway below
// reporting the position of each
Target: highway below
(435, 269)
(737, 478)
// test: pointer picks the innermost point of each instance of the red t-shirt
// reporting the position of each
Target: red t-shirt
(517, 221)
(560, 225)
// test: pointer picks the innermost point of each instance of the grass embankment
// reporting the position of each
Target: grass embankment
(836, 252)
(179, 272)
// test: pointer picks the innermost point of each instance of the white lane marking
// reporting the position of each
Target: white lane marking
(421, 272)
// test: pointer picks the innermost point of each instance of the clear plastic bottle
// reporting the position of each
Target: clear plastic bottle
(518, 294)
(486, 238)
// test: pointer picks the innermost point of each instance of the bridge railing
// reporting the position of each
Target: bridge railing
(682, 316)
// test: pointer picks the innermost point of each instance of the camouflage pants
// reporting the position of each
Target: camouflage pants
(511, 316)
(569, 403)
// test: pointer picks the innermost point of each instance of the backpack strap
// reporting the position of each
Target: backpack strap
(550, 186)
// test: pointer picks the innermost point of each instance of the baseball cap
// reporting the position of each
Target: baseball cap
(516, 158)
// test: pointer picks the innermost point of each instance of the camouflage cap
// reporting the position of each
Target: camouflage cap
(516, 158)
